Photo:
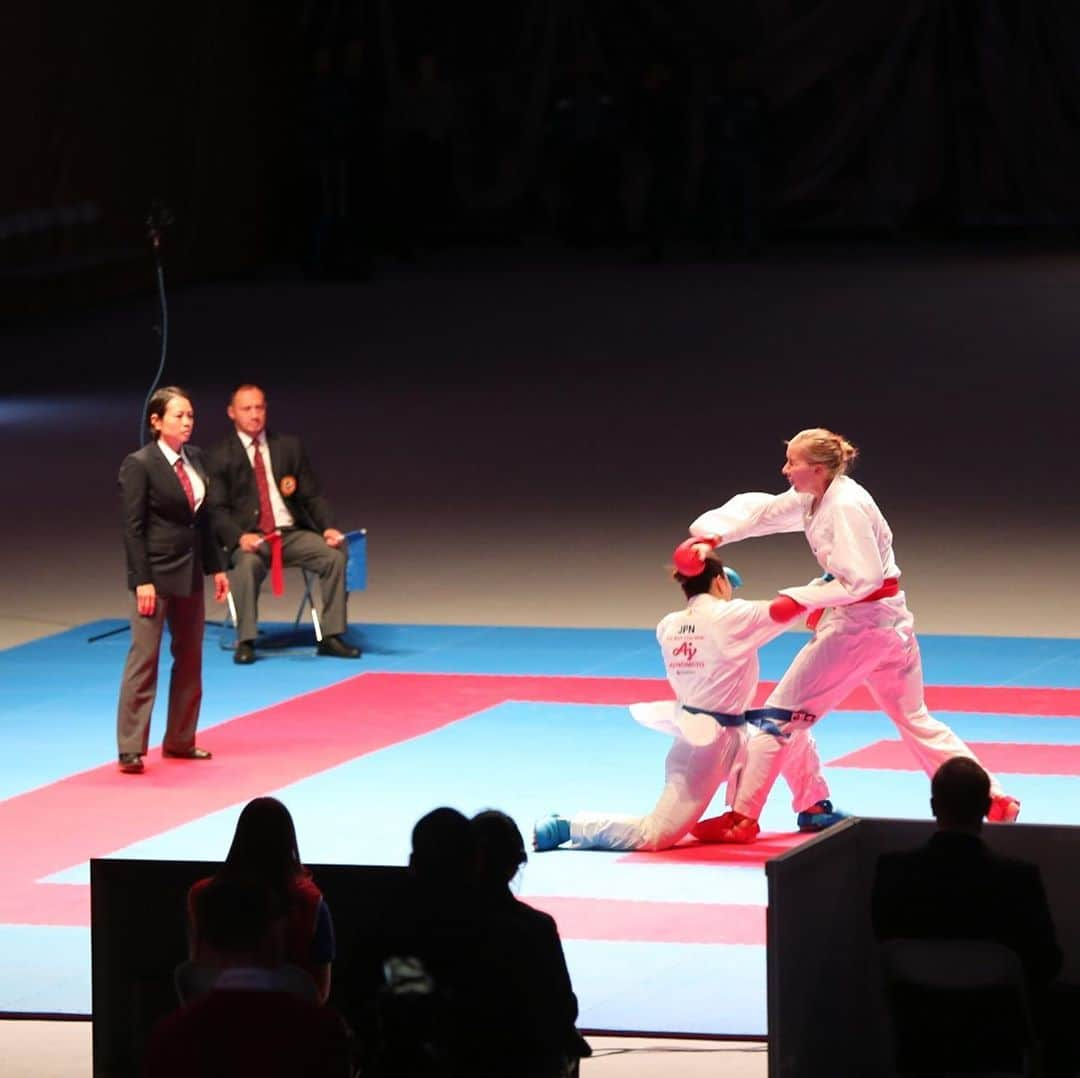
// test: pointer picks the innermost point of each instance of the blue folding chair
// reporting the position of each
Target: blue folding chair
(355, 578)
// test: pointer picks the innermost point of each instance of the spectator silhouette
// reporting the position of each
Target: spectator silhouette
(956, 888)
(328, 133)
(537, 1005)
(427, 120)
(584, 136)
(474, 982)
(659, 133)
(253, 1019)
(264, 850)
(415, 991)
(731, 175)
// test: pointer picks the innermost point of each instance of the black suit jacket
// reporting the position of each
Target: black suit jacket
(234, 499)
(166, 544)
(955, 887)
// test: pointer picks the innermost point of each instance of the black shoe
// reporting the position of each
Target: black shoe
(244, 654)
(337, 648)
(131, 763)
(188, 754)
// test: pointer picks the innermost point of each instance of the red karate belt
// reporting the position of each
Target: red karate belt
(886, 591)
(277, 564)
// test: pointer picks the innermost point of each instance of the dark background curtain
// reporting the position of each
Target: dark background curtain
(256, 122)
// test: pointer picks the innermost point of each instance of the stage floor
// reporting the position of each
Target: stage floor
(526, 720)
(526, 443)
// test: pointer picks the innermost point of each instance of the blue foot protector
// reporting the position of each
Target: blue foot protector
(820, 816)
(550, 831)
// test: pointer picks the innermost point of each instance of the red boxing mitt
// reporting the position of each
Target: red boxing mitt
(687, 558)
(784, 608)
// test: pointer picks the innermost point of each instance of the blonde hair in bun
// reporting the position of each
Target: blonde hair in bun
(821, 446)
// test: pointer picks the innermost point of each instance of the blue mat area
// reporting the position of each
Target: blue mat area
(59, 698)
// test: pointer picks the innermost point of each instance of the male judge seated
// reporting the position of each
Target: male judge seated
(266, 508)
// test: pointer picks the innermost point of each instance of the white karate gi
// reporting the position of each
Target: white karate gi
(856, 643)
(711, 654)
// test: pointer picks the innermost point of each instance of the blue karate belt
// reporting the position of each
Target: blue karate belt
(724, 720)
(766, 718)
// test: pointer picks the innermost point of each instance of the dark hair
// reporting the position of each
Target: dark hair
(499, 846)
(235, 914)
(443, 846)
(264, 846)
(960, 792)
(243, 386)
(159, 401)
(701, 582)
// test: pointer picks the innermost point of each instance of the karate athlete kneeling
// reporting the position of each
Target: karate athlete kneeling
(710, 650)
(866, 635)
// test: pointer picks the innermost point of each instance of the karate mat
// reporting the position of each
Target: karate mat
(526, 720)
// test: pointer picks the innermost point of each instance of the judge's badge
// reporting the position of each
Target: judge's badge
(287, 486)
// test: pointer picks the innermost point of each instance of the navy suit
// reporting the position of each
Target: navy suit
(171, 547)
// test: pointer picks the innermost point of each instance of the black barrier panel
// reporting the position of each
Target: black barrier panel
(138, 935)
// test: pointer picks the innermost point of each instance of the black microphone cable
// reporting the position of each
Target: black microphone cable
(158, 219)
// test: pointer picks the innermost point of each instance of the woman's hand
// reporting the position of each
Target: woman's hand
(221, 586)
(146, 599)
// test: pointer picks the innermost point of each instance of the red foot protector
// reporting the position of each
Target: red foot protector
(1004, 809)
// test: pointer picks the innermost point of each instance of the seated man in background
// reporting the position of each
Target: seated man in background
(267, 512)
(255, 1018)
(956, 888)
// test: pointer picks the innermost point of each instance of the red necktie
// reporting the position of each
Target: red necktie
(266, 513)
(182, 475)
(266, 522)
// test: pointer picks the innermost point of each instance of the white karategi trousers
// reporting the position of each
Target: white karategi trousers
(871, 644)
(693, 773)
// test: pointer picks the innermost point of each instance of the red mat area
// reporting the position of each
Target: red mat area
(655, 922)
(692, 852)
(95, 812)
(1010, 757)
(988, 700)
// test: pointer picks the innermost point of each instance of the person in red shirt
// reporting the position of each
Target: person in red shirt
(264, 849)
(252, 1020)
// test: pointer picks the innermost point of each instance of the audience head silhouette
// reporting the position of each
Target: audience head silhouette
(500, 849)
(443, 848)
(239, 923)
(960, 795)
(264, 845)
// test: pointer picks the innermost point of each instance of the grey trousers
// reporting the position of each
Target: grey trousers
(305, 549)
(185, 616)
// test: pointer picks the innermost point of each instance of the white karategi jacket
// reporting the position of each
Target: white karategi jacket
(847, 533)
(710, 651)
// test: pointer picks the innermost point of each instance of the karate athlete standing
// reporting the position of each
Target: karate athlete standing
(710, 651)
(864, 637)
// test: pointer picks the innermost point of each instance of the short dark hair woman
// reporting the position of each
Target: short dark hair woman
(169, 546)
